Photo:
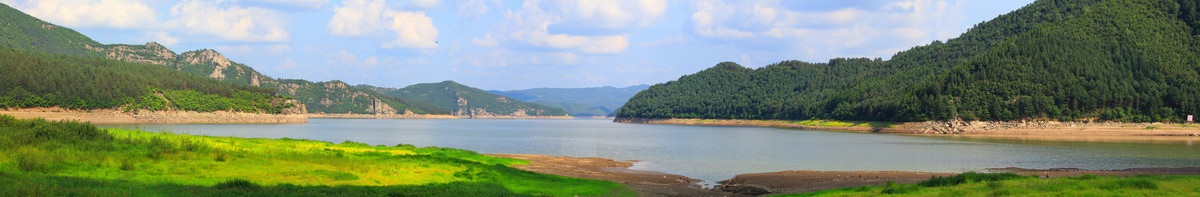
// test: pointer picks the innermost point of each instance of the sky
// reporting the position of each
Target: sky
(515, 44)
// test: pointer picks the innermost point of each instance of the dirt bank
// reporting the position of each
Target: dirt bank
(646, 183)
(808, 181)
(1027, 130)
(110, 116)
(649, 183)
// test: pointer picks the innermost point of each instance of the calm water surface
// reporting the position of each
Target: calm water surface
(716, 153)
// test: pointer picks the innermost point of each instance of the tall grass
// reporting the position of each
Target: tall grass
(976, 184)
(52, 151)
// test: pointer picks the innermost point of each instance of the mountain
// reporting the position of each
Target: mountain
(468, 101)
(595, 101)
(1076, 60)
(27, 33)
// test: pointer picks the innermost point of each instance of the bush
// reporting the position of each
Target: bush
(29, 161)
(969, 177)
(237, 184)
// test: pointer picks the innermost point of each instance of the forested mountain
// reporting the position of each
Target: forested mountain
(468, 101)
(1121, 60)
(595, 101)
(32, 79)
(24, 32)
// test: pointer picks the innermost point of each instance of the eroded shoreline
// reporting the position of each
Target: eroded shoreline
(1043, 130)
(109, 116)
(650, 183)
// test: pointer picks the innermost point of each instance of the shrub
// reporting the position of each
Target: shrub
(29, 161)
(237, 184)
(969, 177)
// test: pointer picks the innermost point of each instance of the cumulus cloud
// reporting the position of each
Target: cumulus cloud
(372, 17)
(231, 22)
(532, 24)
(829, 33)
(90, 13)
(413, 30)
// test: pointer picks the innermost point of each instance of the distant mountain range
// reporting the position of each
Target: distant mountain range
(467, 101)
(22, 32)
(596, 101)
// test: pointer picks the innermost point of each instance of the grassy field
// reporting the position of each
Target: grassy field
(67, 158)
(973, 184)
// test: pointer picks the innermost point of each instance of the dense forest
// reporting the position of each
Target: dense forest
(74, 82)
(464, 100)
(1078, 60)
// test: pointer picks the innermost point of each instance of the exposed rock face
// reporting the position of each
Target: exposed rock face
(297, 108)
(151, 53)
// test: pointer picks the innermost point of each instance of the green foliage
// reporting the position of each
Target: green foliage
(27, 33)
(42, 80)
(339, 97)
(67, 158)
(449, 95)
(1119, 60)
(968, 178)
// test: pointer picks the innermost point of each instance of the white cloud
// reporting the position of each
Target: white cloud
(487, 40)
(532, 24)
(161, 37)
(344, 58)
(230, 22)
(473, 8)
(357, 17)
(306, 4)
(372, 17)
(826, 34)
(413, 30)
(608, 13)
(425, 4)
(90, 13)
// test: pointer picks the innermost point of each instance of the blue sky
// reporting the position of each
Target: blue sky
(513, 44)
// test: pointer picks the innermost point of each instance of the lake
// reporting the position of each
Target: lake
(715, 153)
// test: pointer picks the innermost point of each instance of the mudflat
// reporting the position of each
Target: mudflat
(646, 183)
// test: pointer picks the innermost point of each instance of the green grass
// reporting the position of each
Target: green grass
(37, 154)
(975, 184)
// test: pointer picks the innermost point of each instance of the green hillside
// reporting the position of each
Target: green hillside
(463, 100)
(27, 33)
(1121, 60)
(596, 101)
(75, 82)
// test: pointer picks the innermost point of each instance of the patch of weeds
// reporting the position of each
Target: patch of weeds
(969, 177)
(336, 175)
(893, 188)
(126, 165)
(237, 184)
(30, 161)
(1130, 183)
(221, 157)
(1151, 127)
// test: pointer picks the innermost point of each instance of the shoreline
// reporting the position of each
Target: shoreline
(110, 116)
(1032, 130)
(651, 183)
